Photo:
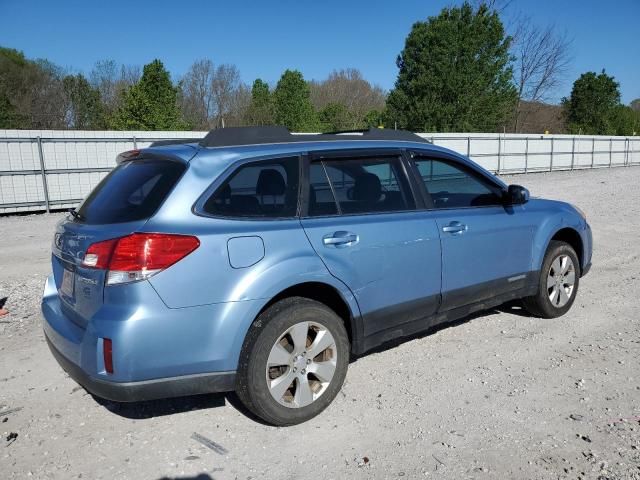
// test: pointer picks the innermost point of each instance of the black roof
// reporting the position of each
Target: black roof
(232, 136)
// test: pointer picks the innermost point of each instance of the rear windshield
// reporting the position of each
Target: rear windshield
(132, 191)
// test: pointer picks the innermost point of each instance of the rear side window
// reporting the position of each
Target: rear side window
(265, 189)
(132, 191)
(359, 185)
(451, 186)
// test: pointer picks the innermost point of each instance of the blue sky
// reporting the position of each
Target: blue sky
(264, 38)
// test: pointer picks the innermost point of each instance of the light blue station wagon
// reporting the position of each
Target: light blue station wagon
(261, 261)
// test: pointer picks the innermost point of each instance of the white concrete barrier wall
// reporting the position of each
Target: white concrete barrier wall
(73, 162)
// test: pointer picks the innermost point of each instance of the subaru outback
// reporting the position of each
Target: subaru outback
(261, 261)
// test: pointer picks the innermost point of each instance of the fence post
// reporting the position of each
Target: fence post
(593, 150)
(135, 143)
(468, 147)
(526, 154)
(551, 163)
(499, 153)
(45, 187)
(573, 151)
(610, 151)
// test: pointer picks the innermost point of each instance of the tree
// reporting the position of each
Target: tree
(150, 104)
(224, 90)
(31, 93)
(13, 66)
(454, 73)
(591, 106)
(112, 80)
(260, 110)
(625, 120)
(335, 117)
(84, 107)
(213, 97)
(196, 96)
(635, 104)
(350, 89)
(292, 103)
(541, 58)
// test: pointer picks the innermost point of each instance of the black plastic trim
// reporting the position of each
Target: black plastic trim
(147, 389)
(423, 324)
(235, 136)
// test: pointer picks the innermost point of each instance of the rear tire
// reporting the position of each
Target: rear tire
(558, 282)
(293, 362)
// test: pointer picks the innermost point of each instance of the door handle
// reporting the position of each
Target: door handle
(340, 239)
(455, 228)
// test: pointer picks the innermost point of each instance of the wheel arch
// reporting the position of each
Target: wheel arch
(563, 233)
(572, 237)
(328, 295)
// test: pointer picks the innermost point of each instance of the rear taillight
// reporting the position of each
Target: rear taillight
(138, 256)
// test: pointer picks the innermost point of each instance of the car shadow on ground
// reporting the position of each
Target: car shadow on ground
(202, 476)
(170, 406)
(160, 408)
(513, 307)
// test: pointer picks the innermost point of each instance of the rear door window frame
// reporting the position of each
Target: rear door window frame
(225, 176)
(404, 178)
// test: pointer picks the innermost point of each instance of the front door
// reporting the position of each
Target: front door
(362, 222)
(486, 246)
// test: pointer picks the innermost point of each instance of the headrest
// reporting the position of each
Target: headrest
(225, 192)
(270, 182)
(367, 188)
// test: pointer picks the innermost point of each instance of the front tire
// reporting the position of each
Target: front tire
(558, 282)
(293, 362)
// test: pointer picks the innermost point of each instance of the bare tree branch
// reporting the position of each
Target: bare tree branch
(541, 59)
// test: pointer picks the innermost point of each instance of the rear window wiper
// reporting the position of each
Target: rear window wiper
(75, 214)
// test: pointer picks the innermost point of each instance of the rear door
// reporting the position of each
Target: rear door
(486, 246)
(361, 219)
(119, 205)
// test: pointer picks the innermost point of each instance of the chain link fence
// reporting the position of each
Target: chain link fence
(47, 170)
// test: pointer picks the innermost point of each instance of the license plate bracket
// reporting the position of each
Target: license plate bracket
(68, 283)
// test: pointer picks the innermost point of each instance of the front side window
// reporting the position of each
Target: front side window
(266, 189)
(451, 186)
(359, 185)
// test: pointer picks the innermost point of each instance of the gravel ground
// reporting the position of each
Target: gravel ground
(500, 395)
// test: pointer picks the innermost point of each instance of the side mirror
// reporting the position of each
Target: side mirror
(516, 195)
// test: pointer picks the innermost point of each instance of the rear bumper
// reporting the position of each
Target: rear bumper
(149, 389)
(158, 352)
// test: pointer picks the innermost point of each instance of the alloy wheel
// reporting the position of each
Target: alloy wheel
(301, 364)
(561, 280)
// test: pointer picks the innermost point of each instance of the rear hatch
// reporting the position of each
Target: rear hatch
(120, 205)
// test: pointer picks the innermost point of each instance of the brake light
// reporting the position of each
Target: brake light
(138, 256)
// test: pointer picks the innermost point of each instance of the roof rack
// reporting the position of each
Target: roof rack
(232, 136)
(177, 141)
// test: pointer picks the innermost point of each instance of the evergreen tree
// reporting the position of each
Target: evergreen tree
(591, 108)
(260, 110)
(335, 117)
(150, 104)
(292, 103)
(454, 73)
(84, 106)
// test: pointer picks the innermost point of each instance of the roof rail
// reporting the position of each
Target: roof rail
(232, 136)
(177, 141)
